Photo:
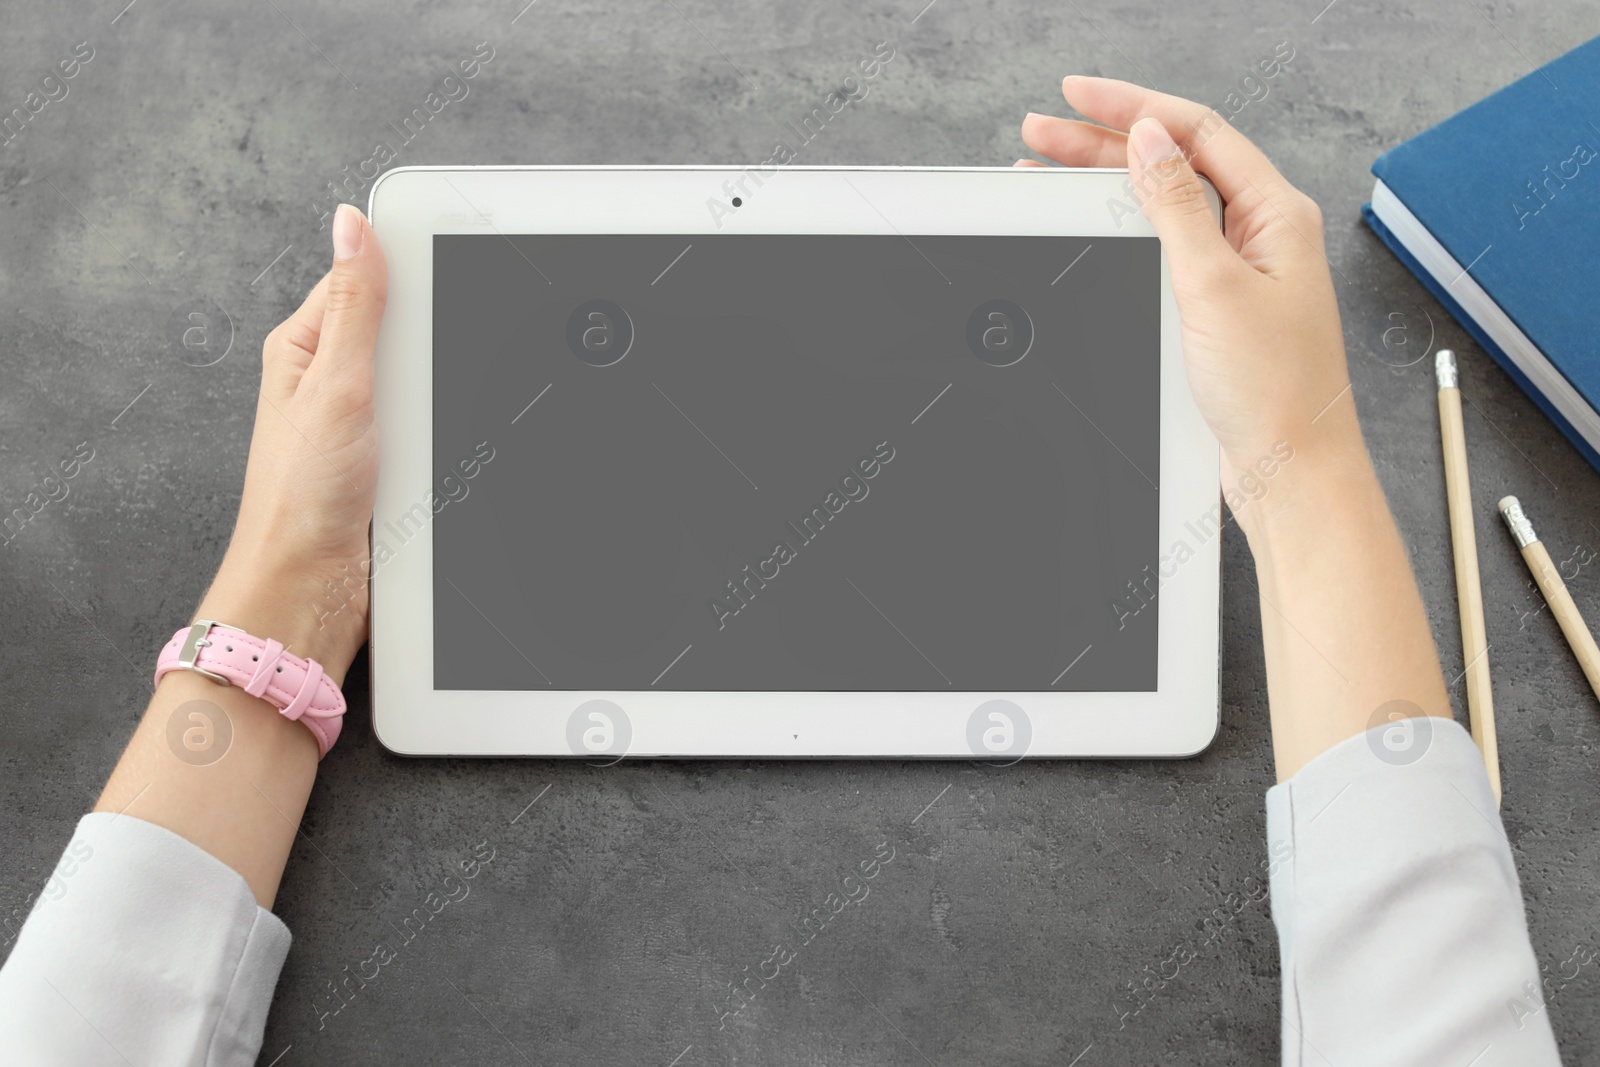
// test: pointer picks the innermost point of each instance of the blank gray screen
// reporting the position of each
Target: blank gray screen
(793, 462)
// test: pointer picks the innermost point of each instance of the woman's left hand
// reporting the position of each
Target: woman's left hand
(297, 567)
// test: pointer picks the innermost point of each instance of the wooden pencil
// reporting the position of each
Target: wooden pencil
(1469, 593)
(1554, 590)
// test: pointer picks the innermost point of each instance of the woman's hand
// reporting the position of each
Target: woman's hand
(1261, 332)
(313, 468)
(1343, 628)
(303, 522)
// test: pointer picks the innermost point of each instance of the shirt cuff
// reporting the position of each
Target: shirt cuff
(1399, 912)
(143, 947)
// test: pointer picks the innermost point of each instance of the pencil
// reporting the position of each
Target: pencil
(1469, 594)
(1554, 590)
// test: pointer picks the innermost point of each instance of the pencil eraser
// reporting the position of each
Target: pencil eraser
(1444, 368)
(1517, 522)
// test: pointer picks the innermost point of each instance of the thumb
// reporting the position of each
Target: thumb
(1176, 203)
(358, 289)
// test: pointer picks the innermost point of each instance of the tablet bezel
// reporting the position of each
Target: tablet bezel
(410, 205)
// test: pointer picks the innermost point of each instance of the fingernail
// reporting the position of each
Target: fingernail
(1152, 142)
(346, 232)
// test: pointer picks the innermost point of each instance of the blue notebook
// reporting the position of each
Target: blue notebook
(1497, 211)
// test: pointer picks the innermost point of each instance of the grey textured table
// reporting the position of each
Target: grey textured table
(189, 162)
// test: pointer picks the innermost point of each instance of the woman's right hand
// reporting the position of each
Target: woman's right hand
(1261, 333)
(1343, 627)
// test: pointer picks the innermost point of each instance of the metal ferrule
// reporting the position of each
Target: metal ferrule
(1444, 367)
(1517, 522)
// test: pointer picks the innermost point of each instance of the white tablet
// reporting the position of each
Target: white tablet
(806, 462)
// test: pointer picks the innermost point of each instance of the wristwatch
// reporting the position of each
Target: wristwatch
(227, 655)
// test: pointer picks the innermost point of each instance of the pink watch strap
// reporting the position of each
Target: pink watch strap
(297, 687)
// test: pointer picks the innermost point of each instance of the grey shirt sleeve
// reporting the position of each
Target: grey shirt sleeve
(142, 948)
(1398, 909)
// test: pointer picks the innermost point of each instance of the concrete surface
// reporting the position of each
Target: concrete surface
(188, 163)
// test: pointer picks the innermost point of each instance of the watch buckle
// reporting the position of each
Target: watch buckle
(197, 639)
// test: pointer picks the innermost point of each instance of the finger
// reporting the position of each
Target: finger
(1075, 144)
(303, 327)
(1030, 163)
(290, 346)
(1213, 147)
(357, 290)
(1174, 200)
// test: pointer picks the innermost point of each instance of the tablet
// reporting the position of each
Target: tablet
(797, 462)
